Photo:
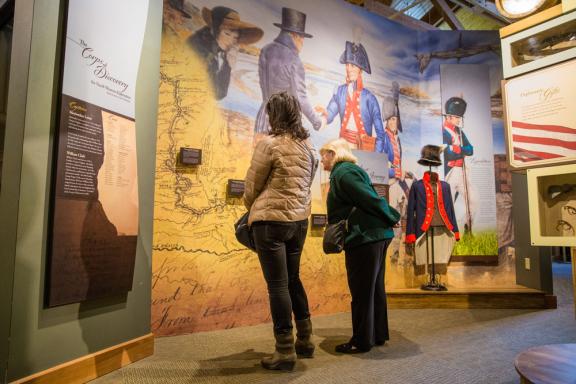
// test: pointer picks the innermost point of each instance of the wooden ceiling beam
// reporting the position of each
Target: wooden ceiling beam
(449, 15)
(381, 9)
(433, 17)
(480, 9)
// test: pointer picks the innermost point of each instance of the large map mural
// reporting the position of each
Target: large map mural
(213, 77)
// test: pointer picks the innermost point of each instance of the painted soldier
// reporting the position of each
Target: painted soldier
(281, 70)
(361, 122)
(457, 148)
(399, 184)
(391, 119)
(217, 43)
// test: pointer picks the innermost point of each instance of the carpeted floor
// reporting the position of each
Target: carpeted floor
(427, 346)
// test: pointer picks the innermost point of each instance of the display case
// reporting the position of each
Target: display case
(541, 118)
(540, 46)
(552, 205)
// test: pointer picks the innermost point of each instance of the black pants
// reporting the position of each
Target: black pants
(365, 267)
(279, 246)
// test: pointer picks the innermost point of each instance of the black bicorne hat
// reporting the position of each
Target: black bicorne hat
(355, 54)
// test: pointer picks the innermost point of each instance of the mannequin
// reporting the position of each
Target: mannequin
(431, 226)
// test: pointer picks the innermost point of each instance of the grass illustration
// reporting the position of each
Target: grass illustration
(480, 244)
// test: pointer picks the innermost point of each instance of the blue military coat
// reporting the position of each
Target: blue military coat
(421, 208)
(370, 113)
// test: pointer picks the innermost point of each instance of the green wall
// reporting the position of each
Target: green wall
(42, 338)
(9, 193)
(5, 46)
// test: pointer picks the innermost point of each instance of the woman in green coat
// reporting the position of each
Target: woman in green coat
(370, 223)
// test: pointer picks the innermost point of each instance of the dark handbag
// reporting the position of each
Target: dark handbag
(244, 233)
(334, 235)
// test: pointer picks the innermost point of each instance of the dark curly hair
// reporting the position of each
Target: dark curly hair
(285, 116)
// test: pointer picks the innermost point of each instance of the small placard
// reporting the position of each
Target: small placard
(190, 156)
(235, 188)
(319, 220)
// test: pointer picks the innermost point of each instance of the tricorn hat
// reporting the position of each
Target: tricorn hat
(355, 54)
(293, 21)
(455, 106)
(389, 108)
(218, 17)
(430, 155)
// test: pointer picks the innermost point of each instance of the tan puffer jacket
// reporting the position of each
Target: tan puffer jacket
(279, 179)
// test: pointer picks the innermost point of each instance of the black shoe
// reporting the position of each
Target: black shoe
(350, 348)
(380, 342)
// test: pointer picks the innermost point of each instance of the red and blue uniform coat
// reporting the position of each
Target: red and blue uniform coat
(457, 146)
(364, 109)
(421, 208)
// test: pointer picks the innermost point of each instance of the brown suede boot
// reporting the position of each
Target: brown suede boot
(304, 347)
(284, 358)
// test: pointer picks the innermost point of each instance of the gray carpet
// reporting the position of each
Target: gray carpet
(426, 346)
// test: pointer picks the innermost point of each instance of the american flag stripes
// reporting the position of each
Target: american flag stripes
(533, 142)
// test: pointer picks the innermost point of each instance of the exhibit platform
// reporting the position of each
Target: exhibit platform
(500, 298)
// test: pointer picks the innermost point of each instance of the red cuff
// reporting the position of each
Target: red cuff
(457, 235)
(410, 239)
(456, 149)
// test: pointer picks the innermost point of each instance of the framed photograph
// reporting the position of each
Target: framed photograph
(538, 47)
(552, 205)
(541, 117)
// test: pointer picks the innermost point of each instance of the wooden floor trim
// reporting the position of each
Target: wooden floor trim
(97, 364)
(470, 299)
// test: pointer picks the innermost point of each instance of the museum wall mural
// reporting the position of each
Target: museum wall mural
(221, 59)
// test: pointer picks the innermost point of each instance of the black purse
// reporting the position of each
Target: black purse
(334, 235)
(244, 233)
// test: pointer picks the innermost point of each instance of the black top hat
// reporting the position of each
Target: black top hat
(355, 54)
(430, 156)
(455, 106)
(293, 21)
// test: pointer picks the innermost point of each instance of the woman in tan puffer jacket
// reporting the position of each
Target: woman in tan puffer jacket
(278, 196)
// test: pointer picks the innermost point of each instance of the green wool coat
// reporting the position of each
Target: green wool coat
(350, 186)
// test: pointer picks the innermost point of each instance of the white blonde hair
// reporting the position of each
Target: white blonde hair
(341, 150)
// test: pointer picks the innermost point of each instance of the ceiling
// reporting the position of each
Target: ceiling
(439, 14)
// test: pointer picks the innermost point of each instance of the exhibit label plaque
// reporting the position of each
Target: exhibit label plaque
(94, 208)
(541, 118)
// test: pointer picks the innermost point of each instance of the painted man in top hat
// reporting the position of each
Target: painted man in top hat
(457, 148)
(281, 70)
(217, 43)
(357, 107)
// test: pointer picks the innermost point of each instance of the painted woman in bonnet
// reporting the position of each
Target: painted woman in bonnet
(217, 43)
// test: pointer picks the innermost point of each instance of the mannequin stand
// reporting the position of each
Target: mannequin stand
(432, 284)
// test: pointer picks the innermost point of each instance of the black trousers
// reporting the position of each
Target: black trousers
(365, 267)
(279, 246)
